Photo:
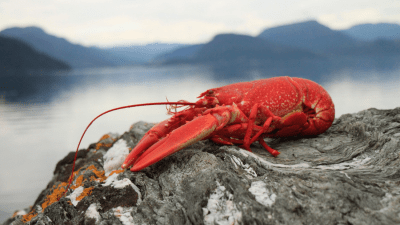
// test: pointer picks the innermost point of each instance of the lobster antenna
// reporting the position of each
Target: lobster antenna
(122, 107)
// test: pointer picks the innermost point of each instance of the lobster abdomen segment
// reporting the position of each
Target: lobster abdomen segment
(318, 105)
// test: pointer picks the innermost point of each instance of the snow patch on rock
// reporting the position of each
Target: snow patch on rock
(221, 209)
(92, 212)
(20, 213)
(357, 162)
(264, 162)
(119, 184)
(115, 156)
(77, 192)
(124, 214)
(110, 180)
(262, 194)
(246, 167)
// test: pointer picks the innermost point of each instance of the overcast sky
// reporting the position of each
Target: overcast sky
(106, 22)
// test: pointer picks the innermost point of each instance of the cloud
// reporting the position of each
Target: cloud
(105, 22)
(159, 31)
(341, 20)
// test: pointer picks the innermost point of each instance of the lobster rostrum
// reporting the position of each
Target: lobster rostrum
(240, 113)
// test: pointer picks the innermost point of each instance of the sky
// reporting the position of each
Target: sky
(107, 23)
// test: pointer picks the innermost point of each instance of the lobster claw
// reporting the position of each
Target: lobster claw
(204, 126)
(146, 142)
(178, 139)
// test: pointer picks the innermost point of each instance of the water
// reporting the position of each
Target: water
(43, 115)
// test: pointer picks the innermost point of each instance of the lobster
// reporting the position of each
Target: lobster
(239, 113)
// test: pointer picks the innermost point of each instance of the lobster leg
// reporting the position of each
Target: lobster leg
(260, 132)
(249, 128)
(221, 140)
(252, 119)
(248, 139)
(269, 149)
(263, 130)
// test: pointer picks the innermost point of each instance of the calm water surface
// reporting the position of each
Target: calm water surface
(42, 116)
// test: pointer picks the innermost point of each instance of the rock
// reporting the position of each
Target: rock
(348, 175)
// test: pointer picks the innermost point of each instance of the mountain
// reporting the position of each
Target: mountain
(371, 32)
(237, 47)
(306, 49)
(183, 53)
(15, 54)
(309, 35)
(75, 55)
(141, 53)
(378, 48)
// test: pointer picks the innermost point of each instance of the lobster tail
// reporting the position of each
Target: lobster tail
(325, 110)
(318, 105)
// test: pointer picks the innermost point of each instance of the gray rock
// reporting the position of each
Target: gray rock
(348, 175)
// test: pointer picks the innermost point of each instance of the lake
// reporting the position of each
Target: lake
(43, 115)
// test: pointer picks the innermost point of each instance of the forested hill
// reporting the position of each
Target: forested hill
(77, 56)
(15, 54)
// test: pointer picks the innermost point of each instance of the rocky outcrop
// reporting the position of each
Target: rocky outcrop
(348, 175)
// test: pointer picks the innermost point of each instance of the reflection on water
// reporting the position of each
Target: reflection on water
(353, 91)
(43, 115)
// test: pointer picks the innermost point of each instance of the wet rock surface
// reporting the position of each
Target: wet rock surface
(348, 175)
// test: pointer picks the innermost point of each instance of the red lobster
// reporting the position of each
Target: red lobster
(240, 113)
